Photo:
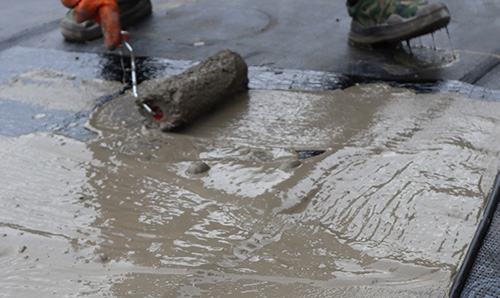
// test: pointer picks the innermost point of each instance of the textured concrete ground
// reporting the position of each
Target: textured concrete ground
(288, 34)
(47, 84)
(286, 43)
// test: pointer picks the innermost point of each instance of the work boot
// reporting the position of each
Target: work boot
(378, 21)
(131, 11)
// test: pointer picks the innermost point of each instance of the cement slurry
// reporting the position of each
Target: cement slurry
(50, 89)
(45, 99)
(387, 210)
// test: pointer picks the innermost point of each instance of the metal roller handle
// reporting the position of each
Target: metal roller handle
(125, 36)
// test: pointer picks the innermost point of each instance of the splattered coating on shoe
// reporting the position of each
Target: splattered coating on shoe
(405, 23)
(371, 12)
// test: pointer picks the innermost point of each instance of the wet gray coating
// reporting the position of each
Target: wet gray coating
(387, 210)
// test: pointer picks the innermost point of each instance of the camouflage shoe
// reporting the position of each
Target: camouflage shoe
(376, 21)
(131, 11)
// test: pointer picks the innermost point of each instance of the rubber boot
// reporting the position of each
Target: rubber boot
(379, 21)
(131, 11)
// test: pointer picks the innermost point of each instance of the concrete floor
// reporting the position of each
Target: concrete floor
(288, 44)
(284, 34)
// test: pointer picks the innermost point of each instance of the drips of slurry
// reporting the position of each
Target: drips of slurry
(377, 214)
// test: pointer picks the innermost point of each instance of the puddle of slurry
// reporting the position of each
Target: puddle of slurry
(387, 211)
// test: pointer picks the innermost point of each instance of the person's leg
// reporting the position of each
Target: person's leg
(377, 21)
(131, 11)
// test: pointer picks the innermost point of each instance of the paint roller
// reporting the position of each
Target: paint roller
(172, 102)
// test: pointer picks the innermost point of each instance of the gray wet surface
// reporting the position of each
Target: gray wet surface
(370, 191)
(292, 34)
(226, 208)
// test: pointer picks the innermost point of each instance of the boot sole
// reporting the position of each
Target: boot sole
(72, 31)
(433, 17)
